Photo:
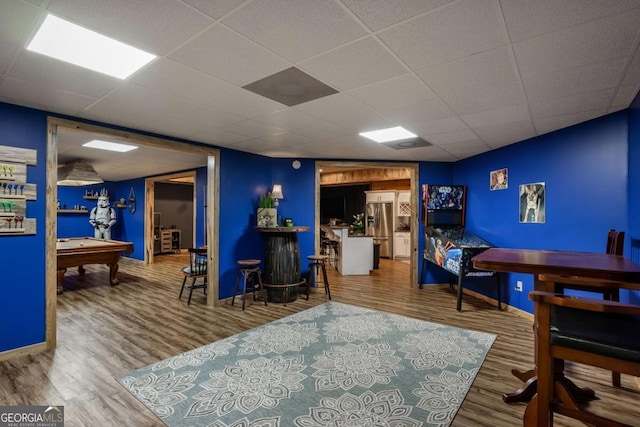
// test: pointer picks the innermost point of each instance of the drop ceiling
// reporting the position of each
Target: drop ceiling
(466, 76)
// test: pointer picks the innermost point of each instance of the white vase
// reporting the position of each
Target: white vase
(266, 217)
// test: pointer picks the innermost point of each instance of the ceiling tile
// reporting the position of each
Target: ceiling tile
(175, 79)
(244, 103)
(17, 21)
(588, 101)
(120, 114)
(6, 56)
(305, 28)
(424, 111)
(491, 68)
(625, 95)
(448, 33)
(484, 98)
(25, 93)
(507, 133)
(141, 23)
(206, 115)
(40, 69)
(431, 127)
(321, 130)
(252, 129)
(224, 54)
(497, 117)
(584, 44)
(563, 83)
(217, 136)
(153, 101)
(451, 137)
(357, 64)
(633, 72)
(378, 14)
(289, 119)
(393, 93)
(215, 8)
(528, 19)
(549, 124)
(333, 107)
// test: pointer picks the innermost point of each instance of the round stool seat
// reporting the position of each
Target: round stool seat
(317, 257)
(248, 262)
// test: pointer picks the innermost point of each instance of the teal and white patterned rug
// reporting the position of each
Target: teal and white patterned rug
(331, 365)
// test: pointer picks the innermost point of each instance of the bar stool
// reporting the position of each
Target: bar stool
(330, 249)
(319, 263)
(249, 270)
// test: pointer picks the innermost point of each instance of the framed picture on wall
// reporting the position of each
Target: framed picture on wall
(499, 179)
(533, 203)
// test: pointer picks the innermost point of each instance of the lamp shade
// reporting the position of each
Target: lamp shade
(277, 192)
(77, 174)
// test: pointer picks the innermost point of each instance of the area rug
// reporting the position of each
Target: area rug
(331, 365)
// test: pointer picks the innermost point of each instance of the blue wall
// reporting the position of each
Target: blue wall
(22, 305)
(584, 167)
(585, 171)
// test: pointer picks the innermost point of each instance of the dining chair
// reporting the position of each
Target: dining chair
(594, 332)
(615, 246)
(197, 269)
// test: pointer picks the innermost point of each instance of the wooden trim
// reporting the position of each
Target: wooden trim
(412, 172)
(51, 221)
(213, 182)
(366, 173)
(24, 351)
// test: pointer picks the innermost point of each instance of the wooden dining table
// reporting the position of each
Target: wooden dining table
(553, 262)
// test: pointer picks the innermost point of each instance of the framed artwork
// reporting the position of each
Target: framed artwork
(499, 179)
(532, 203)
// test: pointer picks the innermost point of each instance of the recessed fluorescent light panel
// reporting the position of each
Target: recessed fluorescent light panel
(72, 43)
(110, 146)
(397, 133)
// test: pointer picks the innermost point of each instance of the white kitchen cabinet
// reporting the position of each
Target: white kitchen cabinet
(380, 196)
(404, 203)
(402, 242)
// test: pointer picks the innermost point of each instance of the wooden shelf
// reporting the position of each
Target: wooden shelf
(90, 197)
(119, 205)
(11, 230)
(70, 211)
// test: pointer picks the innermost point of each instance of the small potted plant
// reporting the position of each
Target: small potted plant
(267, 213)
(358, 223)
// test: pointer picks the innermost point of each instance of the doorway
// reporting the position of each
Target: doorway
(412, 169)
(211, 200)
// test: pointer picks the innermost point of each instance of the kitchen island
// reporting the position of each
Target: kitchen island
(355, 252)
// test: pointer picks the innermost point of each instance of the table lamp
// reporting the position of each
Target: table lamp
(276, 194)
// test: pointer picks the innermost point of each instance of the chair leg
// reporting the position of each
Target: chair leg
(309, 280)
(182, 289)
(191, 290)
(235, 287)
(326, 280)
(244, 289)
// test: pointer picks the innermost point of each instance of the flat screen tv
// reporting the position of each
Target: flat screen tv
(444, 205)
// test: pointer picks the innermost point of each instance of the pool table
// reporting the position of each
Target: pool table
(78, 251)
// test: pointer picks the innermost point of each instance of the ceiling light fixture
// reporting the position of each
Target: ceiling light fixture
(74, 44)
(397, 133)
(109, 146)
(77, 174)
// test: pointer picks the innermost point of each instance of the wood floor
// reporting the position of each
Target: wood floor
(105, 332)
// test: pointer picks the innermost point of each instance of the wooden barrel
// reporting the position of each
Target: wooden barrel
(282, 265)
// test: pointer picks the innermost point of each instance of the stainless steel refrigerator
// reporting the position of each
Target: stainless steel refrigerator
(380, 225)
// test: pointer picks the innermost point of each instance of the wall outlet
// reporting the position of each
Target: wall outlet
(519, 286)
